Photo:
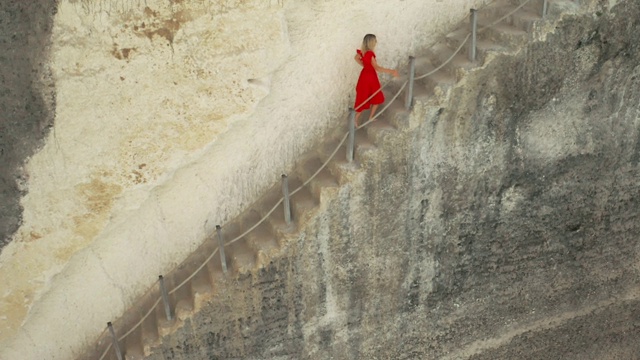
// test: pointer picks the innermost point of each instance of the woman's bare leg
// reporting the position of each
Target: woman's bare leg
(357, 117)
(373, 111)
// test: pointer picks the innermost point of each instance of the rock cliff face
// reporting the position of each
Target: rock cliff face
(133, 127)
(503, 225)
(27, 99)
(27, 107)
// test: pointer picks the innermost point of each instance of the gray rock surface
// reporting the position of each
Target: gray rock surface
(503, 225)
(27, 98)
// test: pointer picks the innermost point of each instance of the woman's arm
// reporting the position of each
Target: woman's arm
(358, 59)
(381, 69)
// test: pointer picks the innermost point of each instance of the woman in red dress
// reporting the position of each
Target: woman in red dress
(368, 91)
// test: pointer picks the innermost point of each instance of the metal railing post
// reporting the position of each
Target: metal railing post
(116, 346)
(545, 8)
(223, 259)
(474, 35)
(286, 201)
(412, 73)
(351, 145)
(165, 299)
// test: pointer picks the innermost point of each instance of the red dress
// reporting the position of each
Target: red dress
(368, 84)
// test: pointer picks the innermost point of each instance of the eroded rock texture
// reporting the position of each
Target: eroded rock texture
(27, 98)
(505, 226)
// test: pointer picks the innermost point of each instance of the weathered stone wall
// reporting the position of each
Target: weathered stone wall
(27, 99)
(503, 225)
(154, 104)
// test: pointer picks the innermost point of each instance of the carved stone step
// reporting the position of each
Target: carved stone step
(444, 54)
(182, 297)
(327, 148)
(133, 345)
(297, 205)
(264, 243)
(533, 6)
(240, 256)
(232, 230)
(483, 46)
(122, 344)
(191, 283)
(454, 41)
(523, 18)
(258, 228)
(278, 225)
(276, 219)
(339, 164)
(179, 294)
(436, 81)
(559, 7)
(231, 233)
(503, 34)
(262, 239)
(420, 94)
(302, 203)
(271, 197)
(149, 327)
(378, 130)
(321, 180)
(396, 113)
(202, 284)
(362, 141)
(214, 268)
(339, 159)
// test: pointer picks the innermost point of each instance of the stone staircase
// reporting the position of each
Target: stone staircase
(268, 240)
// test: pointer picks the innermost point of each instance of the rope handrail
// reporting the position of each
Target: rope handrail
(331, 156)
(505, 16)
(266, 216)
(448, 60)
